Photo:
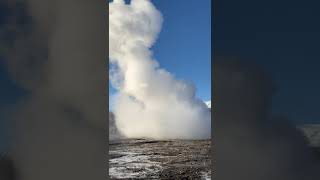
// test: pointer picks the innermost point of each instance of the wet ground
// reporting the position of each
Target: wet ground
(151, 159)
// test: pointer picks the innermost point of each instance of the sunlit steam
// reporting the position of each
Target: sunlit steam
(150, 101)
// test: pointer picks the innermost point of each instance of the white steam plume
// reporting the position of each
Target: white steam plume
(150, 102)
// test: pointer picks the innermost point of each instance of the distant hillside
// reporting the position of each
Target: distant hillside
(312, 132)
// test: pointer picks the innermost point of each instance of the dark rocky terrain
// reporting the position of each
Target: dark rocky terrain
(174, 159)
(152, 159)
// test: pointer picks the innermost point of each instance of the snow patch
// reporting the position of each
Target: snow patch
(132, 165)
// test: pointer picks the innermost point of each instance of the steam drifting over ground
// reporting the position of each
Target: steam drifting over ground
(151, 102)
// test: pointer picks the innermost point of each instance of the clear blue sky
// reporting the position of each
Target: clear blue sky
(184, 45)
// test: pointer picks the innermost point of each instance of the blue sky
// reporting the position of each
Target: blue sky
(184, 45)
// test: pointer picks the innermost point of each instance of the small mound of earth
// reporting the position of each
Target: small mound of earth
(152, 159)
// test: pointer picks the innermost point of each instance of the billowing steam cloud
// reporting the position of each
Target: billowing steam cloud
(150, 101)
(58, 55)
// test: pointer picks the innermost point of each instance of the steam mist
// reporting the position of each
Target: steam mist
(150, 102)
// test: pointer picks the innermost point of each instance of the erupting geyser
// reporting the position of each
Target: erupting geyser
(150, 102)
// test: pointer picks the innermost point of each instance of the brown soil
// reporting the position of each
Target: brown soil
(151, 159)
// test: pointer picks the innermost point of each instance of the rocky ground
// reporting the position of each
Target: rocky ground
(174, 159)
(151, 159)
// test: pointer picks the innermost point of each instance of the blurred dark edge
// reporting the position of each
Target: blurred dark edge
(249, 109)
(107, 137)
(8, 169)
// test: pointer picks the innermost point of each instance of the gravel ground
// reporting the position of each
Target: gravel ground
(151, 159)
